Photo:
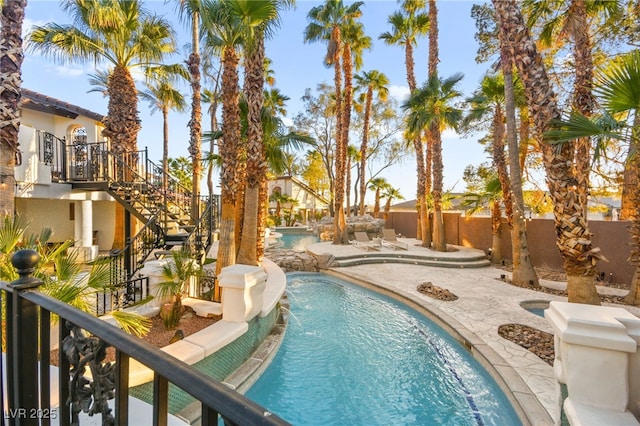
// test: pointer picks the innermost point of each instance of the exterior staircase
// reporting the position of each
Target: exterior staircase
(166, 208)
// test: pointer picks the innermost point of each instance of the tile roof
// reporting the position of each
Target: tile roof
(39, 102)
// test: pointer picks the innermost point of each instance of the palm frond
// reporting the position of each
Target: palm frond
(132, 323)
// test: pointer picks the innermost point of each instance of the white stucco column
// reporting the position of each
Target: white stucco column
(242, 292)
(593, 349)
(83, 231)
(86, 224)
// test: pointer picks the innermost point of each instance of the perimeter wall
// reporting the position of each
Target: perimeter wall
(611, 236)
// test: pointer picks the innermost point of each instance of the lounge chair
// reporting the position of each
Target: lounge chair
(362, 241)
(389, 239)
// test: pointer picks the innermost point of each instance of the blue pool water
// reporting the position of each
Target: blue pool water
(352, 356)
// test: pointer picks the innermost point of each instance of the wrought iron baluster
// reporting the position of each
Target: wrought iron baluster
(89, 394)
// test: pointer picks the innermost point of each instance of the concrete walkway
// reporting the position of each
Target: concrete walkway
(484, 303)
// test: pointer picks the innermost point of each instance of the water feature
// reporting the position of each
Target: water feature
(355, 357)
(298, 241)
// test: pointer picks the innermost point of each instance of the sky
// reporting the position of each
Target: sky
(297, 66)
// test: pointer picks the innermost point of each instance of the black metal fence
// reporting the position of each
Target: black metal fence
(87, 383)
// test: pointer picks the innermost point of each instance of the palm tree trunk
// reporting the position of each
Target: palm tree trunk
(574, 239)
(496, 241)
(228, 179)
(11, 64)
(195, 124)
(122, 123)
(583, 99)
(256, 169)
(339, 222)
(634, 166)
(363, 149)
(435, 139)
(523, 273)
(165, 160)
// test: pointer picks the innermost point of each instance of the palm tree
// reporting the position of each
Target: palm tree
(407, 26)
(370, 82)
(11, 36)
(431, 107)
(163, 97)
(224, 30)
(191, 10)
(574, 240)
(257, 18)
(523, 272)
(377, 185)
(352, 155)
(120, 33)
(573, 19)
(326, 24)
(489, 99)
(390, 193)
(491, 193)
(617, 89)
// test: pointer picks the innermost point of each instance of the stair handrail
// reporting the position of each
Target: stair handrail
(199, 239)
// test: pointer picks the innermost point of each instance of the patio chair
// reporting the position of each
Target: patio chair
(362, 241)
(389, 239)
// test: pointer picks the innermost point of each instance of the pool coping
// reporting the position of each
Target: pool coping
(527, 406)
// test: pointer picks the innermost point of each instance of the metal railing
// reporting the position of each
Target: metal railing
(86, 381)
(52, 152)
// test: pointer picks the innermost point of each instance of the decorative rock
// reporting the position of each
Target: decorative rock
(326, 261)
(365, 223)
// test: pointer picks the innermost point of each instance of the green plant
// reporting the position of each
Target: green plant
(62, 276)
(177, 274)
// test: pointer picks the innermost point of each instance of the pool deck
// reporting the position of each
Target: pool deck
(484, 303)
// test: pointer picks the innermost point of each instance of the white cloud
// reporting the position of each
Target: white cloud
(399, 93)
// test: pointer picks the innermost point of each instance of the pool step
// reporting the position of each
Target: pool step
(434, 259)
(414, 260)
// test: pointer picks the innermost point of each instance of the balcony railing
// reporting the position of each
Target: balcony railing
(86, 382)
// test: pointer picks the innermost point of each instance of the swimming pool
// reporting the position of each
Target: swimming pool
(352, 356)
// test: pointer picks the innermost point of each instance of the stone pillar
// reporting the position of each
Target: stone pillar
(242, 292)
(592, 358)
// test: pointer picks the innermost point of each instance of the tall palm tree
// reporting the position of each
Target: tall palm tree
(326, 24)
(164, 97)
(489, 99)
(223, 29)
(12, 57)
(119, 33)
(191, 10)
(406, 26)
(432, 107)
(618, 90)
(355, 42)
(257, 17)
(523, 272)
(574, 240)
(370, 82)
(563, 20)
